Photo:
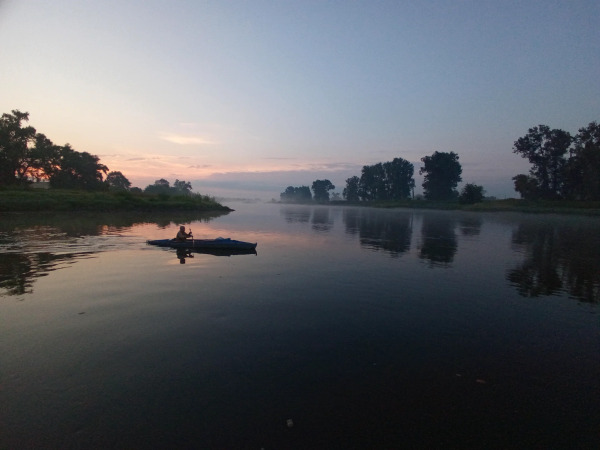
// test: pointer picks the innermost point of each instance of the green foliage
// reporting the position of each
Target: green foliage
(321, 190)
(442, 174)
(75, 200)
(470, 194)
(296, 194)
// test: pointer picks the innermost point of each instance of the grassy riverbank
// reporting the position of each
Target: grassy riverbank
(511, 204)
(76, 200)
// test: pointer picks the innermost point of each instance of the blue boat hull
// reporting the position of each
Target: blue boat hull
(219, 243)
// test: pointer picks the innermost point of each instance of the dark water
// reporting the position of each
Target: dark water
(350, 328)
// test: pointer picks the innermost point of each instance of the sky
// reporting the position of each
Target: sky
(245, 98)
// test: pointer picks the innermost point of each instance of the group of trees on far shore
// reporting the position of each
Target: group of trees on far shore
(302, 194)
(562, 166)
(26, 155)
(393, 180)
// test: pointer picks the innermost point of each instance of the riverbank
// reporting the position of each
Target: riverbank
(21, 200)
(505, 205)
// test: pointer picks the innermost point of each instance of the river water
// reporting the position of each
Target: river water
(349, 328)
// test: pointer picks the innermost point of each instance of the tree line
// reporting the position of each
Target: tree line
(27, 156)
(394, 180)
(562, 166)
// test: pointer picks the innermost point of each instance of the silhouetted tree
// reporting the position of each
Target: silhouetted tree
(321, 190)
(45, 158)
(15, 157)
(350, 192)
(582, 177)
(160, 187)
(545, 149)
(296, 194)
(526, 186)
(75, 170)
(442, 174)
(117, 181)
(182, 187)
(399, 176)
(392, 180)
(471, 193)
(372, 183)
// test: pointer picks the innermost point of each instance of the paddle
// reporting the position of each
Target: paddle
(192, 237)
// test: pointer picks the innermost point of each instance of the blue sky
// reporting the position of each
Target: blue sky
(244, 98)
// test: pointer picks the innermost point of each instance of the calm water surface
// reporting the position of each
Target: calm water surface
(350, 328)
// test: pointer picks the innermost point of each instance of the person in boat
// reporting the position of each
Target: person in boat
(182, 236)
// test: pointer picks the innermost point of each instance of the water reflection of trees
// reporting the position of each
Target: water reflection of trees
(438, 244)
(319, 217)
(18, 270)
(470, 225)
(93, 224)
(380, 231)
(296, 214)
(32, 245)
(558, 258)
(321, 220)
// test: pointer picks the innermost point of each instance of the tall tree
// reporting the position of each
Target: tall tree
(15, 139)
(583, 168)
(442, 174)
(350, 192)
(45, 158)
(399, 176)
(321, 190)
(545, 149)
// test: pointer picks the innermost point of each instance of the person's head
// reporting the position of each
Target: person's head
(182, 228)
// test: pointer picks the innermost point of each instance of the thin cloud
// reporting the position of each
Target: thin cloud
(187, 140)
(278, 158)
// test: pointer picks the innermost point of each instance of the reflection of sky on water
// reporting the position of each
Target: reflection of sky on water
(363, 320)
(558, 254)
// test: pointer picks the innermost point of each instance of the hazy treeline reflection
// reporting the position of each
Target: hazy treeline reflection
(31, 245)
(18, 270)
(389, 232)
(558, 257)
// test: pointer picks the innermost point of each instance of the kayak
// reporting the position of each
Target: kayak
(219, 243)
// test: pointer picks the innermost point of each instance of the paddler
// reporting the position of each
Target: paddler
(182, 235)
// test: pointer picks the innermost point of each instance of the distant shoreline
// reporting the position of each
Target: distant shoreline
(507, 205)
(42, 200)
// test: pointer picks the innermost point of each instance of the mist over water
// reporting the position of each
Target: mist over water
(350, 327)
